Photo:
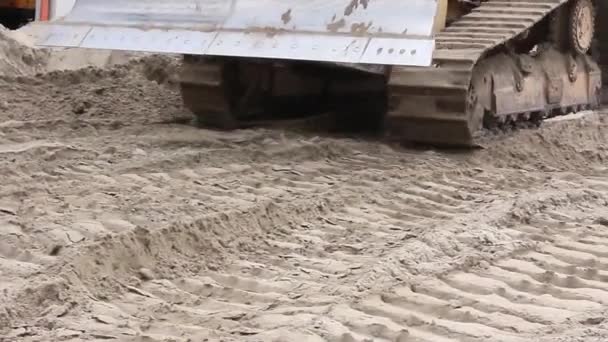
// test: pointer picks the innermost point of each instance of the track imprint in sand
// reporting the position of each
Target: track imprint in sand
(336, 265)
(560, 282)
(115, 225)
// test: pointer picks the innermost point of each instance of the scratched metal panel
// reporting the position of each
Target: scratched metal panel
(289, 46)
(155, 40)
(400, 17)
(346, 31)
(411, 17)
(185, 14)
(66, 36)
(399, 51)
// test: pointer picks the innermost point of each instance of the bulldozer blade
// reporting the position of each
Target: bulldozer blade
(385, 32)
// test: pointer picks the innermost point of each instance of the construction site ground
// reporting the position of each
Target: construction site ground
(119, 221)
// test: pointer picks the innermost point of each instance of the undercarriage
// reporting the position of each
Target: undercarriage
(503, 64)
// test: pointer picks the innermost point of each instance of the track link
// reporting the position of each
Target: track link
(473, 84)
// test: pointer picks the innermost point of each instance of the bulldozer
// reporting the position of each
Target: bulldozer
(430, 71)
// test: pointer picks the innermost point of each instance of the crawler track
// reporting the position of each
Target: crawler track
(479, 83)
(204, 90)
(484, 75)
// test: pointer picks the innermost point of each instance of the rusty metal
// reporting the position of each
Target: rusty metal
(346, 31)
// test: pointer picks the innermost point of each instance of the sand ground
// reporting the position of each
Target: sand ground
(119, 222)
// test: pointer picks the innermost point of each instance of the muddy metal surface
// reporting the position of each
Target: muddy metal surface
(116, 223)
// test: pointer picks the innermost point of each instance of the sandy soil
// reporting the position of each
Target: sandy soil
(117, 222)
